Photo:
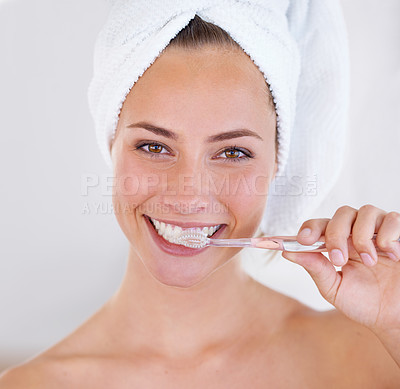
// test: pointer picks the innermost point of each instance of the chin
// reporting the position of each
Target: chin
(179, 273)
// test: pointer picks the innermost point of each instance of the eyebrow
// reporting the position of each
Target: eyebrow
(211, 139)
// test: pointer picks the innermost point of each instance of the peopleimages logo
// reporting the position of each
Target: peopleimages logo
(95, 186)
(202, 184)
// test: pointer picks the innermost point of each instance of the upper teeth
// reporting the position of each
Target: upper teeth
(171, 232)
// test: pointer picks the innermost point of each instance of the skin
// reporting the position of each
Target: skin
(201, 321)
(193, 114)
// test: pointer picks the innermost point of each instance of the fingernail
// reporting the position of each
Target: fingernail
(392, 256)
(337, 257)
(305, 232)
(367, 259)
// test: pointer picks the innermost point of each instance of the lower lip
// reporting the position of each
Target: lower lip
(176, 249)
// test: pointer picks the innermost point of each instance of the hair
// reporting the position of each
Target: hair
(199, 34)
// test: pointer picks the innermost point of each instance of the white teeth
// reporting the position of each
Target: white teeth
(171, 233)
(178, 230)
(168, 229)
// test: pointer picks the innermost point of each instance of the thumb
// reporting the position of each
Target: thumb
(321, 271)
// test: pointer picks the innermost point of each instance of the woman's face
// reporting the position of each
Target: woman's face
(195, 147)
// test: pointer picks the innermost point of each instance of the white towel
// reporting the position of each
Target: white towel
(301, 48)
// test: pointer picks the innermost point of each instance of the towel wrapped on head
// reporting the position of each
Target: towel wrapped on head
(300, 46)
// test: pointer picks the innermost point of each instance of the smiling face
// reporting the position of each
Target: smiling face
(195, 146)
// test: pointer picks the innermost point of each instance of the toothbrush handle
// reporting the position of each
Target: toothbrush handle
(289, 243)
(240, 242)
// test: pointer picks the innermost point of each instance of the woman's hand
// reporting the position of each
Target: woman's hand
(367, 289)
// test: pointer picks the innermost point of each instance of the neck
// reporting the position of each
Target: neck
(182, 322)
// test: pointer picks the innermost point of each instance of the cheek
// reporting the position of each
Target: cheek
(133, 183)
(246, 197)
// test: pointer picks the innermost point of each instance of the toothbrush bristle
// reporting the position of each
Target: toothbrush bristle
(193, 240)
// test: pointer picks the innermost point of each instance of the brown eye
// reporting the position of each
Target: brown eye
(155, 148)
(233, 153)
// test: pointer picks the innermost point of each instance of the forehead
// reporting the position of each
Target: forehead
(206, 62)
(208, 81)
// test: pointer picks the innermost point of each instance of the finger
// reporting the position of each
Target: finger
(369, 219)
(388, 235)
(311, 230)
(337, 232)
(321, 271)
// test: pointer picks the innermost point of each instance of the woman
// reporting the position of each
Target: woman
(188, 318)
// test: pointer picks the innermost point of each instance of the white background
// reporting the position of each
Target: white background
(59, 265)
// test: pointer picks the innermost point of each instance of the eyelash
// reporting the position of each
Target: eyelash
(140, 146)
(246, 154)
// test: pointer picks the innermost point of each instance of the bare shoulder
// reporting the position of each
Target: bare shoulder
(57, 367)
(45, 372)
(346, 346)
(65, 364)
(29, 375)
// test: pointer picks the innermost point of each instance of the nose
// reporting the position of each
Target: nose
(187, 190)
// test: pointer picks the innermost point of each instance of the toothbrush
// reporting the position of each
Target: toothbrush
(197, 239)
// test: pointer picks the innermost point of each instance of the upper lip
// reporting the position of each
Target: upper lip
(185, 224)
